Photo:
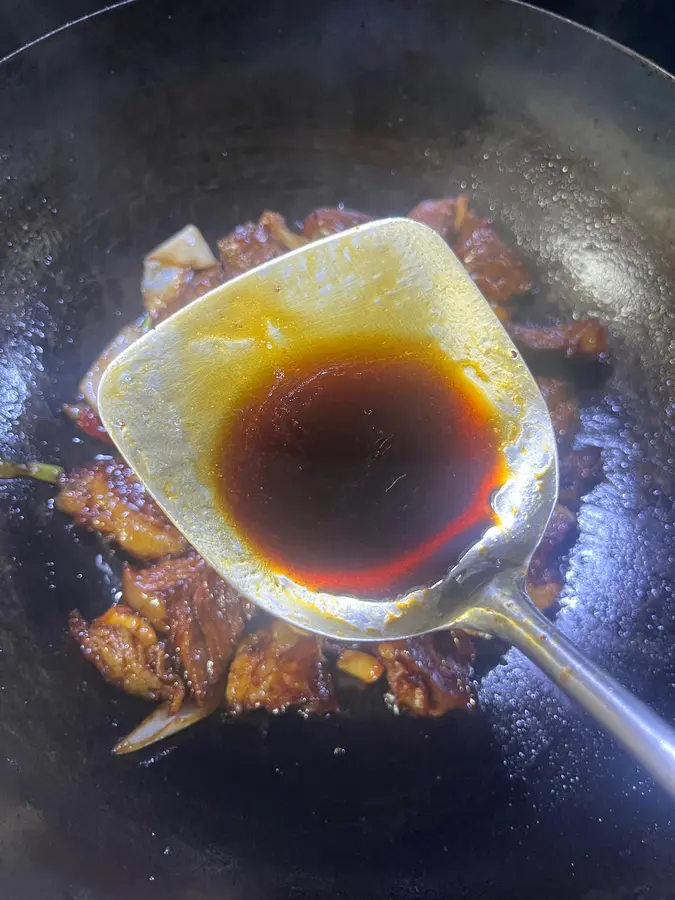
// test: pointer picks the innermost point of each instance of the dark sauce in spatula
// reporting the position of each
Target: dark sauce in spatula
(364, 469)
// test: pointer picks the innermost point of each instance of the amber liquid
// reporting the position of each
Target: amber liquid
(365, 470)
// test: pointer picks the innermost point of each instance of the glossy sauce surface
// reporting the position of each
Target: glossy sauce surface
(364, 469)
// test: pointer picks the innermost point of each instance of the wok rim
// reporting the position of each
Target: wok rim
(530, 7)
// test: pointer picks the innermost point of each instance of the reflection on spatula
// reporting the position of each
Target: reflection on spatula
(166, 400)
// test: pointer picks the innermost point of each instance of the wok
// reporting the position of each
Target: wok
(119, 130)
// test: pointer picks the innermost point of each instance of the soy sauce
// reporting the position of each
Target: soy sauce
(366, 469)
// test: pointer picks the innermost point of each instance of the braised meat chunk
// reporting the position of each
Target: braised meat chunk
(580, 470)
(563, 407)
(544, 578)
(194, 284)
(444, 216)
(545, 595)
(124, 648)
(499, 273)
(108, 498)
(430, 675)
(559, 532)
(146, 590)
(586, 338)
(254, 243)
(150, 591)
(206, 620)
(203, 615)
(88, 421)
(277, 667)
(323, 222)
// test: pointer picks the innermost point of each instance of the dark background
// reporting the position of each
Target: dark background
(616, 835)
(644, 25)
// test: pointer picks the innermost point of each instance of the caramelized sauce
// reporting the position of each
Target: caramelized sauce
(364, 469)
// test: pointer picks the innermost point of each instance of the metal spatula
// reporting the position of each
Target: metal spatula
(165, 400)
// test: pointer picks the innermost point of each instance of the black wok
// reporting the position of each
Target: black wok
(119, 130)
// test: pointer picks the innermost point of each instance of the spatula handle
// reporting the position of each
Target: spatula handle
(512, 616)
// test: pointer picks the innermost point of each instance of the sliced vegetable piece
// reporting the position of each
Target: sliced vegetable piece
(39, 471)
(163, 723)
(170, 265)
(360, 665)
(186, 248)
(126, 337)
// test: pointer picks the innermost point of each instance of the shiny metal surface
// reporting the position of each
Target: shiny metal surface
(165, 398)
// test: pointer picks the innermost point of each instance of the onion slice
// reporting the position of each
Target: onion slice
(186, 249)
(169, 266)
(162, 723)
(39, 471)
(127, 336)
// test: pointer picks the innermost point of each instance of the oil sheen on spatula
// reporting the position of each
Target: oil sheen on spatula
(363, 468)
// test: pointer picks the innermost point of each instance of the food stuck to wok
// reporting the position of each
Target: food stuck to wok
(180, 635)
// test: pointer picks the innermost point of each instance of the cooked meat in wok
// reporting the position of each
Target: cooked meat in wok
(181, 635)
(124, 648)
(206, 621)
(276, 667)
(430, 675)
(587, 338)
(108, 498)
(563, 407)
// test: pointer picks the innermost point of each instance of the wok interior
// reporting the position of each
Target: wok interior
(112, 145)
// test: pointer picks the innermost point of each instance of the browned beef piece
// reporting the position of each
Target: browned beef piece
(498, 271)
(254, 243)
(107, 497)
(444, 216)
(563, 406)
(146, 594)
(124, 648)
(580, 470)
(277, 667)
(150, 591)
(323, 222)
(87, 421)
(544, 579)
(206, 620)
(204, 616)
(544, 596)
(587, 338)
(430, 675)
(195, 285)
(559, 533)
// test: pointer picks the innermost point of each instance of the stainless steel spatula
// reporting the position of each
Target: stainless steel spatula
(167, 398)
